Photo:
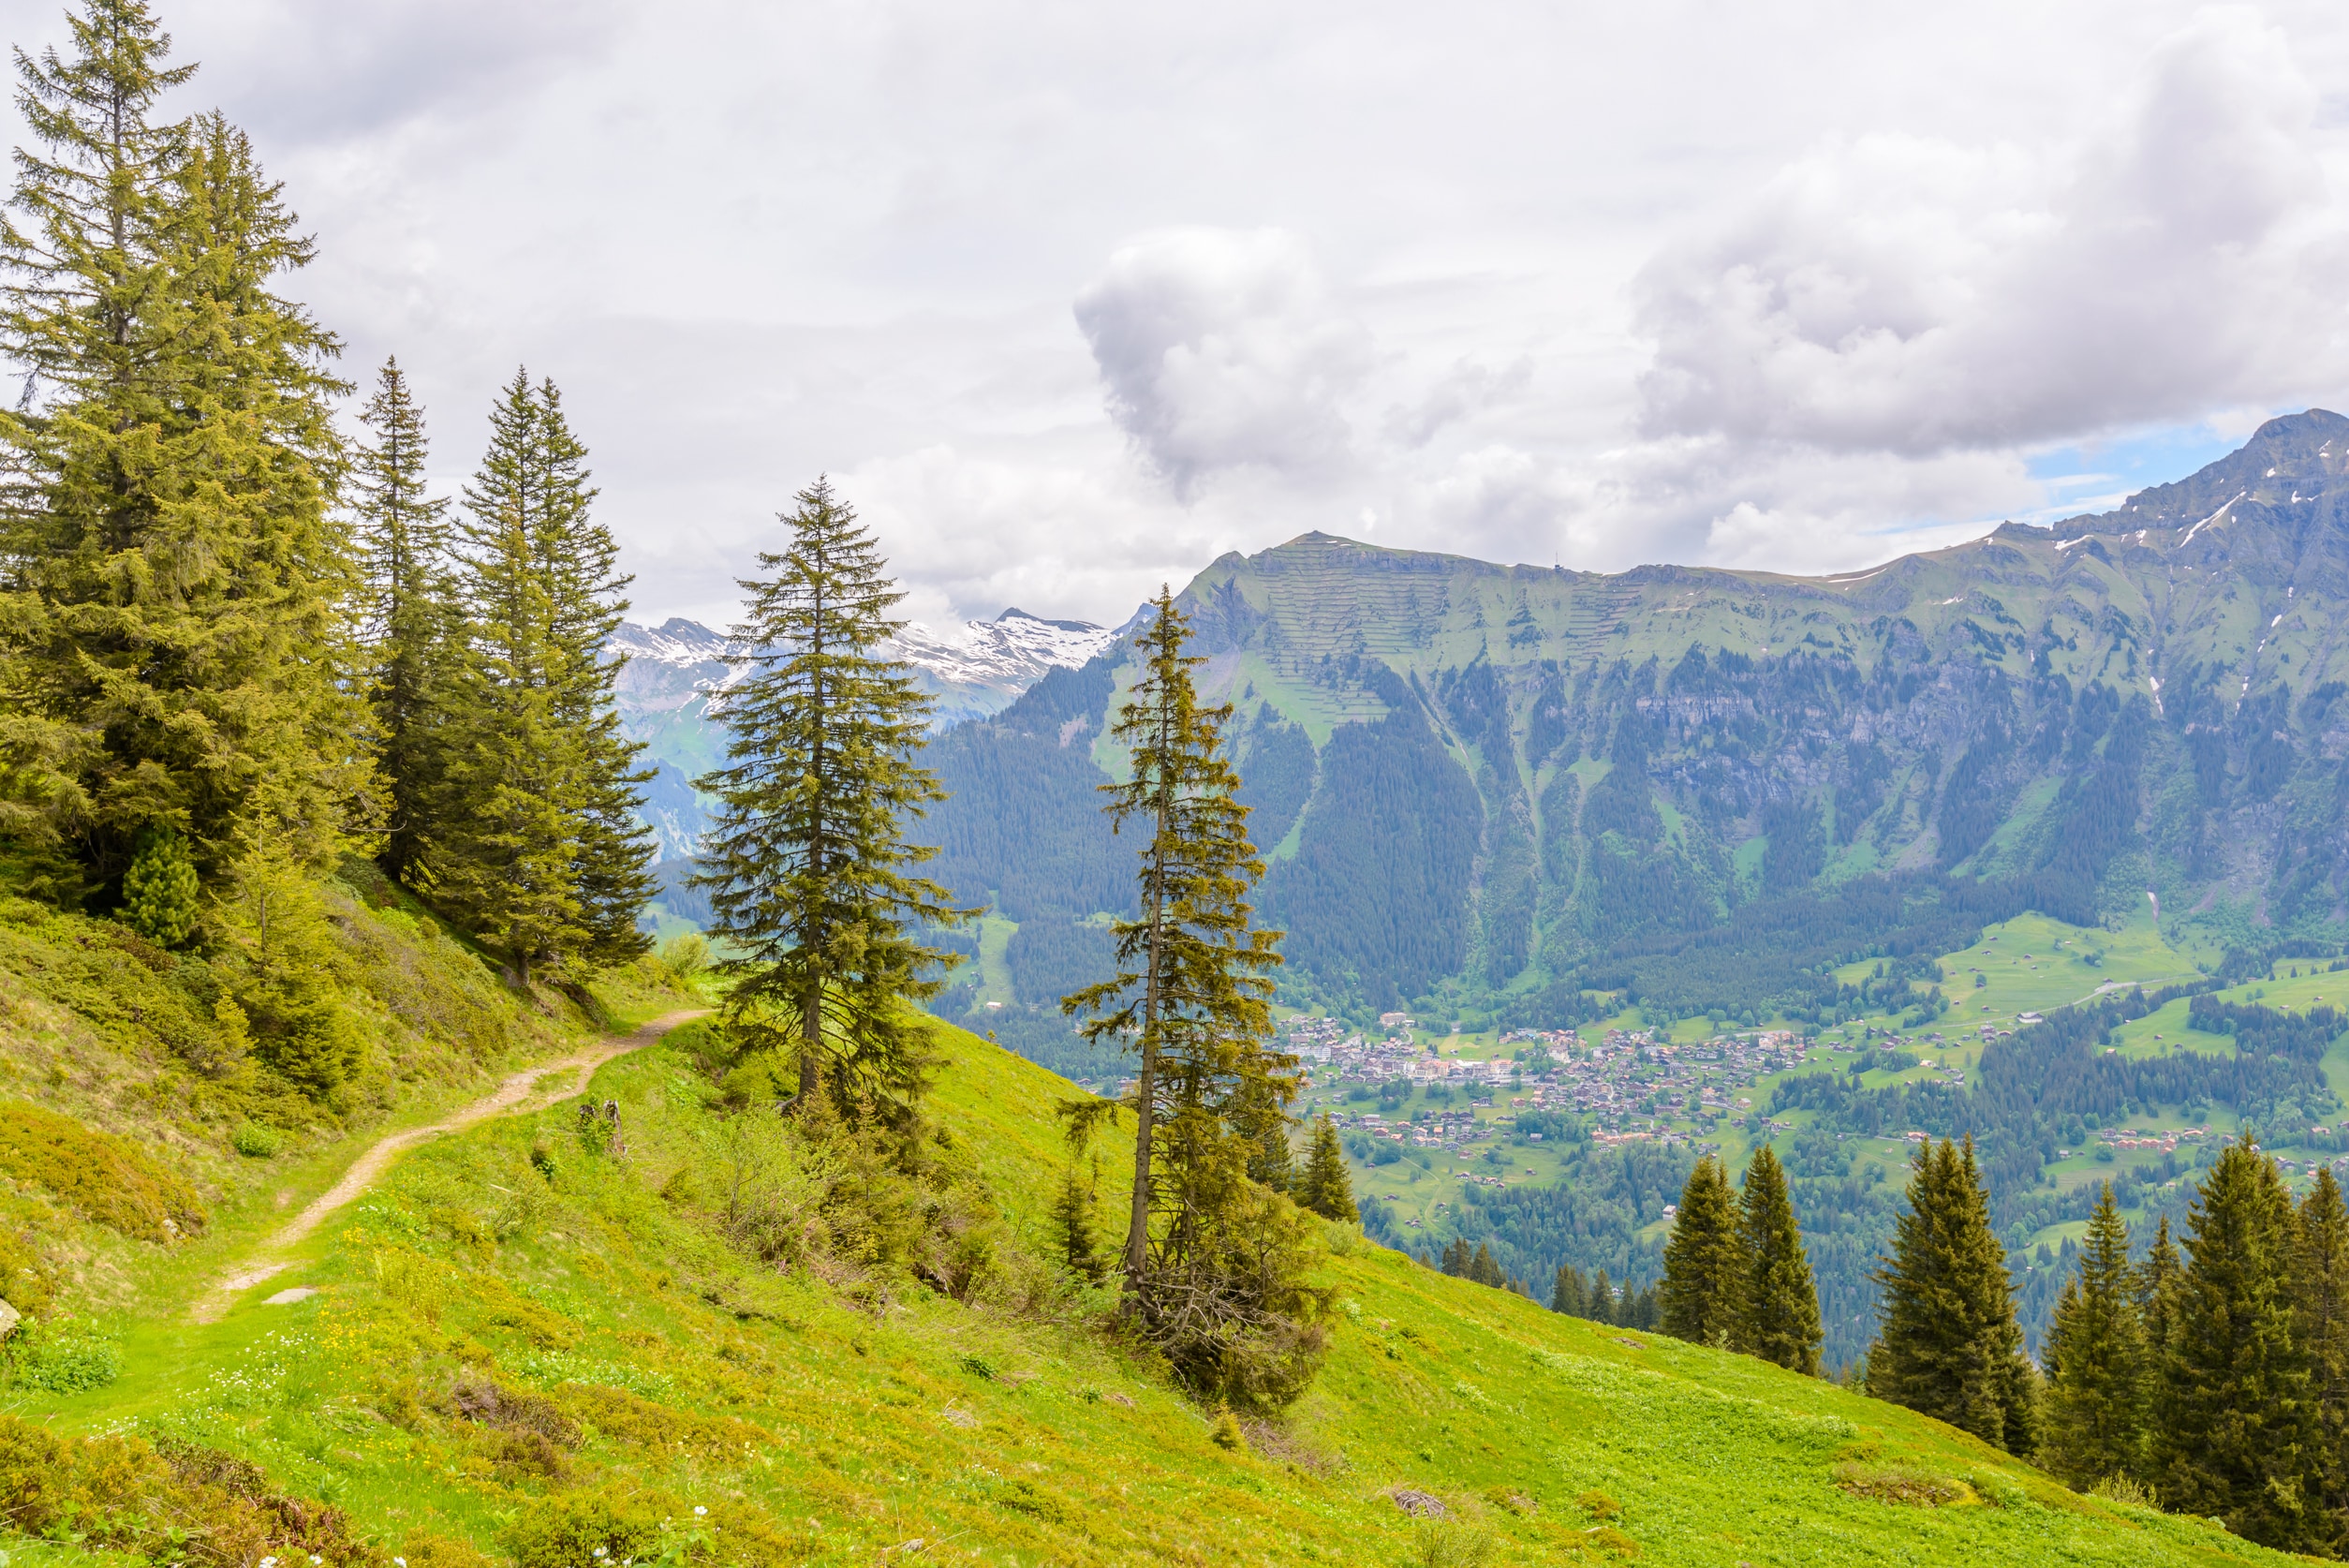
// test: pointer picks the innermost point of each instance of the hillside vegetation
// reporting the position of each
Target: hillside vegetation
(546, 1340)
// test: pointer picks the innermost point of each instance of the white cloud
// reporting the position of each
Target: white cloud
(1918, 295)
(1222, 349)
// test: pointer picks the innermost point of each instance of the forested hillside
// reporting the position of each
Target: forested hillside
(1695, 789)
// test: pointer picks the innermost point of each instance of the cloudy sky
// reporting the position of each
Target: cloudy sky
(1070, 298)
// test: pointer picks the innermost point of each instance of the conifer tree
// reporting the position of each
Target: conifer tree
(1326, 1189)
(810, 872)
(1601, 1299)
(2157, 1293)
(1191, 992)
(1569, 1293)
(171, 571)
(159, 891)
(532, 840)
(1484, 1269)
(408, 618)
(1074, 1225)
(1705, 1262)
(2095, 1363)
(1778, 1318)
(1948, 1344)
(2321, 1289)
(2234, 1433)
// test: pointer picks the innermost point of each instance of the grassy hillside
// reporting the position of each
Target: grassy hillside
(536, 1342)
(171, 1093)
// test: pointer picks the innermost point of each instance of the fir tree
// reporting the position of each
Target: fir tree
(2095, 1362)
(2234, 1434)
(173, 575)
(1191, 992)
(1705, 1262)
(408, 613)
(1073, 1227)
(533, 840)
(810, 873)
(1778, 1317)
(159, 891)
(1483, 1269)
(1601, 1300)
(2321, 1292)
(2157, 1293)
(1949, 1345)
(1568, 1293)
(1326, 1189)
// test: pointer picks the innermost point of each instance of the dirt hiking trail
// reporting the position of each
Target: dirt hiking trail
(522, 1092)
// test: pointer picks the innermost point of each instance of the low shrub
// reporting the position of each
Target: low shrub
(106, 1179)
(65, 1359)
(1907, 1485)
(1026, 1497)
(568, 1531)
(623, 1417)
(255, 1142)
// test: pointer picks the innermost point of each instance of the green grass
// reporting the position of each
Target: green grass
(1014, 1431)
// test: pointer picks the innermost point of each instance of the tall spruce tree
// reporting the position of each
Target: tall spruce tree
(1327, 1187)
(1706, 1265)
(532, 840)
(1191, 992)
(811, 876)
(2095, 1362)
(170, 573)
(1948, 1343)
(1569, 1293)
(1215, 1264)
(2157, 1295)
(1778, 1318)
(2234, 1434)
(408, 618)
(2321, 1292)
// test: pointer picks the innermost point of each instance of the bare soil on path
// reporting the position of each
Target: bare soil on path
(525, 1090)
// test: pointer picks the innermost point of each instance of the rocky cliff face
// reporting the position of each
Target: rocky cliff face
(1489, 782)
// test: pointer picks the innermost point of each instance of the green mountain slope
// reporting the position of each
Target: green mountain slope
(533, 1341)
(1491, 784)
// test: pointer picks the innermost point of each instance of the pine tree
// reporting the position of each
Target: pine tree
(407, 616)
(1949, 1345)
(1601, 1300)
(1706, 1265)
(809, 869)
(532, 840)
(2234, 1434)
(1568, 1293)
(1326, 1189)
(2321, 1293)
(173, 575)
(2095, 1363)
(1078, 1235)
(1456, 1258)
(1484, 1269)
(1778, 1318)
(159, 891)
(1191, 992)
(2157, 1293)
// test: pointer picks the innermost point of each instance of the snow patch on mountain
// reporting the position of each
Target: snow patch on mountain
(674, 670)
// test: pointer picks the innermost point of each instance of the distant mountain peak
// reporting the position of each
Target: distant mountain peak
(1016, 613)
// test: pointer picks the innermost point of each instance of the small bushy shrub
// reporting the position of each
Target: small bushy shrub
(66, 1360)
(568, 1531)
(255, 1142)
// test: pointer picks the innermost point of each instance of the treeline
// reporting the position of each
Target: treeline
(236, 645)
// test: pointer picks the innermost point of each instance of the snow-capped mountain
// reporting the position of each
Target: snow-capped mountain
(673, 670)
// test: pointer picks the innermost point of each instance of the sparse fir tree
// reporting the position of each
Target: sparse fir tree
(2157, 1293)
(1777, 1314)
(409, 624)
(2235, 1427)
(1327, 1187)
(1601, 1298)
(1074, 1228)
(2321, 1292)
(811, 874)
(171, 576)
(1483, 1269)
(1948, 1343)
(2095, 1362)
(1214, 1262)
(1705, 1262)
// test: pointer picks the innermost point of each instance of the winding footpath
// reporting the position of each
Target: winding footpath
(520, 1092)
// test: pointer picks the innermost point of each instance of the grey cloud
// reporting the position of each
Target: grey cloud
(1223, 350)
(1917, 296)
